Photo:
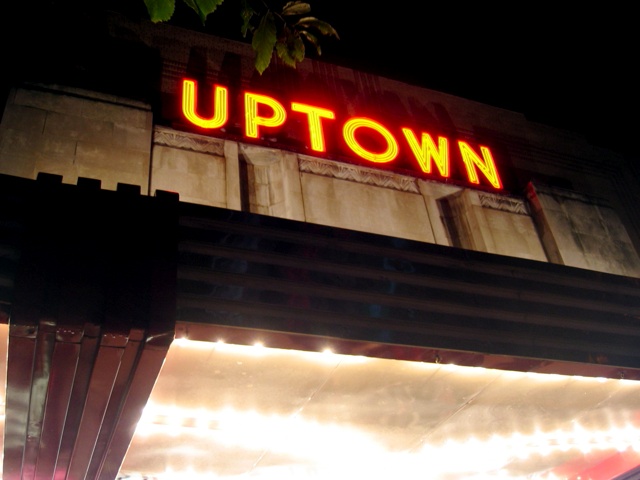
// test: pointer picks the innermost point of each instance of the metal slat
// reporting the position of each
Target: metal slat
(252, 271)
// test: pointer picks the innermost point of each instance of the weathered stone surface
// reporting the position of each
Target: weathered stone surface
(134, 138)
(493, 224)
(74, 133)
(273, 182)
(197, 177)
(344, 204)
(432, 192)
(232, 178)
(49, 101)
(24, 118)
(79, 128)
(582, 231)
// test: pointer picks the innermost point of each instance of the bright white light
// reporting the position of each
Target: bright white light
(328, 451)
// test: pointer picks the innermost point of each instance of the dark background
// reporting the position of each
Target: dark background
(569, 68)
(575, 69)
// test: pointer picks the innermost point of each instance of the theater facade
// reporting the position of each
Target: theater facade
(311, 273)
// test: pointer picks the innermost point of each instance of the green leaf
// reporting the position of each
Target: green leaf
(290, 49)
(160, 10)
(264, 41)
(312, 39)
(203, 7)
(296, 8)
(321, 26)
(247, 13)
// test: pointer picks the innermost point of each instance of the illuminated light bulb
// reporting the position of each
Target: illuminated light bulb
(585, 446)
(144, 429)
(621, 446)
(181, 342)
(545, 449)
(148, 414)
(202, 420)
(174, 421)
(631, 433)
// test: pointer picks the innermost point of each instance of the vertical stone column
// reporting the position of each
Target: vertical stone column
(582, 231)
(492, 223)
(273, 182)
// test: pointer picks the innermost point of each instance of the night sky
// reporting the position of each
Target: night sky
(574, 69)
(570, 69)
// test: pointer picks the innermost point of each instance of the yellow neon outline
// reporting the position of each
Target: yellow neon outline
(486, 164)
(251, 118)
(348, 132)
(426, 150)
(314, 114)
(190, 100)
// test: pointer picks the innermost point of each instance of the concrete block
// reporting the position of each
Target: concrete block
(499, 222)
(117, 114)
(560, 227)
(292, 187)
(278, 210)
(584, 217)
(232, 172)
(260, 174)
(257, 155)
(431, 192)
(613, 225)
(629, 260)
(54, 154)
(197, 177)
(437, 223)
(56, 147)
(115, 160)
(25, 119)
(259, 196)
(79, 128)
(18, 152)
(18, 142)
(573, 258)
(50, 101)
(134, 138)
(276, 187)
(367, 208)
(17, 165)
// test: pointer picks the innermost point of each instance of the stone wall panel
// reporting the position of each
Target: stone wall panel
(345, 204)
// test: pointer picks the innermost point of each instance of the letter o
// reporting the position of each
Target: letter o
(349, 131)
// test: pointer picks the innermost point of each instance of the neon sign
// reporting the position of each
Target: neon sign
(431, 156)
